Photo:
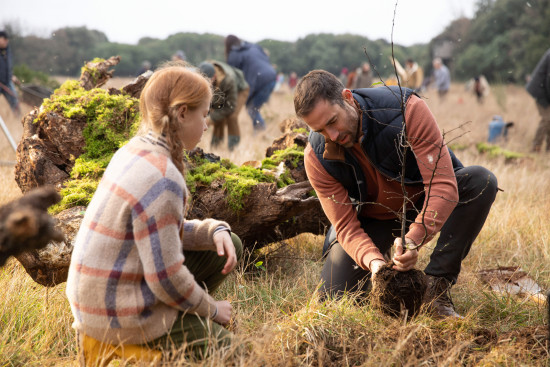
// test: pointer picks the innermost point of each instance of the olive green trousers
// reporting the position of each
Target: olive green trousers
(195, 331)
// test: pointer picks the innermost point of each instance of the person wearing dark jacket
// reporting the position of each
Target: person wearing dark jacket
(230, 94)
(354, 161)
(539, 87)
(7, 79)
(258, 72)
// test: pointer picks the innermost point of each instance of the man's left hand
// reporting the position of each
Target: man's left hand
(404, 261)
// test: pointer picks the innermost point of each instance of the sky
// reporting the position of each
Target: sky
(125, 21)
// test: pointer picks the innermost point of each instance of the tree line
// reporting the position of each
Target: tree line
(503, 41)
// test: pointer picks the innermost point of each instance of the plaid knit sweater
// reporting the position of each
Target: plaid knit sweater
(127, 278)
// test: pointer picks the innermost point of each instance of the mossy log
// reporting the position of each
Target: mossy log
(67, 146)
(267, 213)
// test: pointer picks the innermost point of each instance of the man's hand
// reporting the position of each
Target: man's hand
(375, 266)
(406, 261)
(225, 247)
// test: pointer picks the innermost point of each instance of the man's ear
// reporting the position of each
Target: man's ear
(348, 96)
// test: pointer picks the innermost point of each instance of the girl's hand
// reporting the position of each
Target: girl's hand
(225, 247)
(406, 261)
(224, 312)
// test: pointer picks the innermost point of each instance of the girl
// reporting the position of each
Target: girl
(140, 273)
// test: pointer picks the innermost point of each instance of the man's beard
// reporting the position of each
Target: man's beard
(350, 137)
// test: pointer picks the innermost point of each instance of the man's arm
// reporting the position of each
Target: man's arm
(436, 168)
(343, 216)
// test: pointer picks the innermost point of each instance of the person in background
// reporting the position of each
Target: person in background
(539, 88)
(441, 77)
(355, 168)
(292, 80)
(145, 67)
(411, 76)
(231, 92)
(364, 77)
(258, 72)
(179, 55)
(279, 82)
(140, 273)
(343, 75)
(480, 87)
(352, 75)
(7, 79)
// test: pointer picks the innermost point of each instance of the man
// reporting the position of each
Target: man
(231, 92)
(442, 77)
(7, 79)
(353, 161)
(364, 77)
(539, 87)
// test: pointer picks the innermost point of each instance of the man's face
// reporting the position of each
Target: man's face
(3, 42)
(335, 122)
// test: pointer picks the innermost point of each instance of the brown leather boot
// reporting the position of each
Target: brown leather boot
(438, 298)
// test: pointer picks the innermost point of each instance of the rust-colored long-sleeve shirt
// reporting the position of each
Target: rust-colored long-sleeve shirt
(439, 184)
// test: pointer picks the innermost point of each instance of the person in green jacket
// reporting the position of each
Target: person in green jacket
(230, 94)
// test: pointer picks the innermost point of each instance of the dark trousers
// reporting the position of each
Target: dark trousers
(477, 189)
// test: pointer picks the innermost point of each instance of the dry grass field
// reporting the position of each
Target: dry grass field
(279, 321)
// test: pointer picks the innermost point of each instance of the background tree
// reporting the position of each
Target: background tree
(503, 41)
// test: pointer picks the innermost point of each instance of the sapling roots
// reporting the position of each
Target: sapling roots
(396, 292)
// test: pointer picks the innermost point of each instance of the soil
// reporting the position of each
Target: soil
(396, 292)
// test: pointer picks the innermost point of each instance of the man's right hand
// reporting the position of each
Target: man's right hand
(376, 265)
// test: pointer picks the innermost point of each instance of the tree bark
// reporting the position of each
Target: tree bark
(96, 74)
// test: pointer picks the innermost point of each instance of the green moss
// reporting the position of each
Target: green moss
(75, 193)
(496, 151)
(294, 155)
(110, 122)
(301, 130)
(239, 181)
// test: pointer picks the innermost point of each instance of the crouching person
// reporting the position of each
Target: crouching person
(141, 275)
(354, 156)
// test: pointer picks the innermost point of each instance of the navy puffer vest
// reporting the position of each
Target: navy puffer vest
(382, 120)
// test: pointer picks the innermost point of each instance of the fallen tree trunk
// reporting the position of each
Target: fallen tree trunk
(268, 214)
(265, 212)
